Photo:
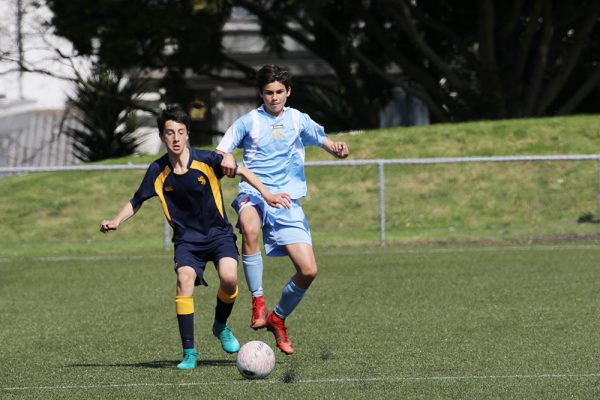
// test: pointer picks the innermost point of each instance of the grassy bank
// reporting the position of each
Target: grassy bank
(59, 213)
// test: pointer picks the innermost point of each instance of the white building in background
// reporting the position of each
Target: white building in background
(30, 136)
(32, 104)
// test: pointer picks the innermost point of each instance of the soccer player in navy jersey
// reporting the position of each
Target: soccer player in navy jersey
(273, 138)
(187, 182)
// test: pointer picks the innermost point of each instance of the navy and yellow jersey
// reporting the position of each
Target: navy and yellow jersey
(192, 202)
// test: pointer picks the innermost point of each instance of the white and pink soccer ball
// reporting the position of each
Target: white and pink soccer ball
(255, 360)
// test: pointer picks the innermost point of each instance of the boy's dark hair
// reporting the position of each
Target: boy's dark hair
(172, 113)
(273, 73)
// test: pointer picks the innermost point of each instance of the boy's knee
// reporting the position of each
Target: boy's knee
(251, 231)
(310, 273)
(186, 278)
(185, 274)
(228, 282)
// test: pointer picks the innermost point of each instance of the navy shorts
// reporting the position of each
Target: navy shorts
(196, 256)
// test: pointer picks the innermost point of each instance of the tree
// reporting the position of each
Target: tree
(171, 36)
(171, 40)
(463, 59)
(103, 117)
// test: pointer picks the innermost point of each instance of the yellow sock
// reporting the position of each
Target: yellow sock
(184, 305)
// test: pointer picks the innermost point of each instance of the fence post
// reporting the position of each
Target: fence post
(166, 234)
(381, 204)
(598, 191)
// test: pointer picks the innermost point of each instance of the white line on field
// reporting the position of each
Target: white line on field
(312, 381)
(86, 258)
(482, 249)
(336, 251)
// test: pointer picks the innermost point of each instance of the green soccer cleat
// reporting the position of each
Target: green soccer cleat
(229, 343)
(190, 359)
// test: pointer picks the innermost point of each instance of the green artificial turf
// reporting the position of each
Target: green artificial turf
(426, 322)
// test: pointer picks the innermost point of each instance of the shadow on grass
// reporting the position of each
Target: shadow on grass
(155, 364)
(588, 218)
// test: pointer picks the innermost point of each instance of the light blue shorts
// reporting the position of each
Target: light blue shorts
(280, 226)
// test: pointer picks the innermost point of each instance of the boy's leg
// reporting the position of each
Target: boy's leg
(293, 292)
(184, 306)
(226, 295)
(250, 224)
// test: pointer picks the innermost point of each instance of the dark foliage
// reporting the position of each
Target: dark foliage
(463, 59)
(102, 111)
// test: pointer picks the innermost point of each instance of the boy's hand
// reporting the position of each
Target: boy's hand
(107, 225)
(279, 200)
(228, 165)
(340, 149)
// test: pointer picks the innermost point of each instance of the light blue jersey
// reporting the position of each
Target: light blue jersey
(274, 148)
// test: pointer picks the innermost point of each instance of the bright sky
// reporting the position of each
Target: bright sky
(48, 92)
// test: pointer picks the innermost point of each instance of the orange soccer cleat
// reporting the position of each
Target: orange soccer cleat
(276, 325)
(259, 313)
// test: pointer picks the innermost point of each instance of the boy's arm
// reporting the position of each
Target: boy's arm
(228, 164)
(274, 200)
(336, 149)
(126, 212)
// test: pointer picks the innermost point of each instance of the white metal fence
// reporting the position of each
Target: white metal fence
(380, 163)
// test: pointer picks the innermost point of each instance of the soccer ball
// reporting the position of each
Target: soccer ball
(255, 360)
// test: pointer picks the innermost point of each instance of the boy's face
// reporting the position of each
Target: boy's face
(175, 137)
(274, 96)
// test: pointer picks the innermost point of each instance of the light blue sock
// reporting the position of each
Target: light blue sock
(253, 270)
(290, 297)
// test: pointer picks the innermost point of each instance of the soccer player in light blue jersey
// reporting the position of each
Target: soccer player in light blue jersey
(273, 138)
(187, 182)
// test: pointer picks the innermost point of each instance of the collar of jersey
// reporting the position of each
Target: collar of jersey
(261, 109)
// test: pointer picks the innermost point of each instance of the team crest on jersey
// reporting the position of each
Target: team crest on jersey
(169, 188)
(277, 135)
(202, 180)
